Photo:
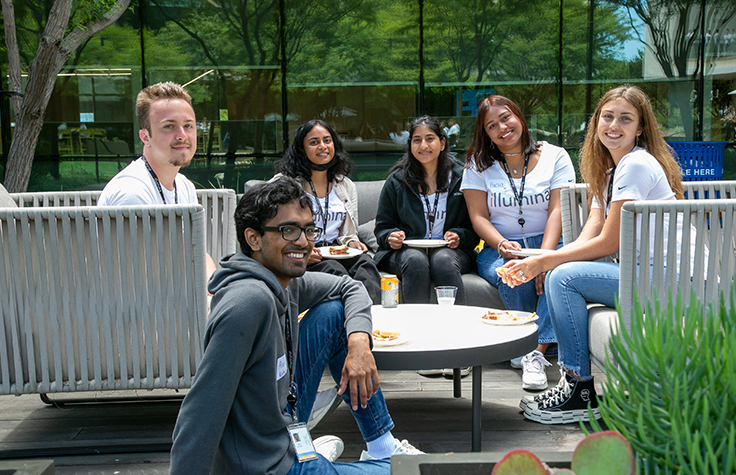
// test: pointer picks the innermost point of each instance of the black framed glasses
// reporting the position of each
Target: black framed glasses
(291, 232)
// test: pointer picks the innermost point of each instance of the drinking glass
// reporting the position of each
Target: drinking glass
(446, 294)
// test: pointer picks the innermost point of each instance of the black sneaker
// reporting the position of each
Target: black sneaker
(570, 404)
(531, 402)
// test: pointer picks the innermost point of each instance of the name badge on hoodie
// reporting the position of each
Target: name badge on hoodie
(281, 367)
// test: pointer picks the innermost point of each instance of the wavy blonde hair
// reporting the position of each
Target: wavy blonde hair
(596, 160)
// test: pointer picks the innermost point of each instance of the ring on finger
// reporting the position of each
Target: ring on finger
(521, 273)
(523, 279)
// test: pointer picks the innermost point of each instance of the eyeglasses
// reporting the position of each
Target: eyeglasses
(292, 233)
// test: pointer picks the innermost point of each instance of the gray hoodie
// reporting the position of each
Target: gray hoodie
(233, 420)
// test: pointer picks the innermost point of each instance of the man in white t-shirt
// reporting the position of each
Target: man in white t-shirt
(168, 131)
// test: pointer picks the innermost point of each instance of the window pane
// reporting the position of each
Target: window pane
(474, 49)
(360, 74)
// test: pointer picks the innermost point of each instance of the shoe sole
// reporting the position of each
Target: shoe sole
(430, 372)
(561, 417)
(317, 416)
(448, 373)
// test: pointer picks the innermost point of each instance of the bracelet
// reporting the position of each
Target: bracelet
(498, 247)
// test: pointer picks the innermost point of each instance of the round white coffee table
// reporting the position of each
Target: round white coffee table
(449, 337)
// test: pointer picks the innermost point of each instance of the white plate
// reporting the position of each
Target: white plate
(531, 252)
(425, 242)
(401, 340)
(352, 252)
(523, 315)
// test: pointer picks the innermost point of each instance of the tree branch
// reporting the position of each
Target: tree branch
(83, 32)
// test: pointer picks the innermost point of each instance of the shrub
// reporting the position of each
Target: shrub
(673, 392)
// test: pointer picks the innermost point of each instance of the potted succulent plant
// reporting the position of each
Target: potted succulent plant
(672, 391)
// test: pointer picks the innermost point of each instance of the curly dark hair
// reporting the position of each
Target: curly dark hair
(261, 203)
(413, 175)
(295, 163)
(481, 148)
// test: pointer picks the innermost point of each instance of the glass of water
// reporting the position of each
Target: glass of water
(446, 294)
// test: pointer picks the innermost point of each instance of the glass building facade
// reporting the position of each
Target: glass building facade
(256, 70)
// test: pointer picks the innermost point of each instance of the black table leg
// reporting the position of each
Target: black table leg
(477, 400)
(457, 391)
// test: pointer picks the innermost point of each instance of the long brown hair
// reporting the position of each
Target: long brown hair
(482, 149)
(596, 160)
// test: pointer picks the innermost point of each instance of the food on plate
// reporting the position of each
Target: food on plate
(338, 250)
(507, 317)
(380, 335)
(491, 315)
(501, 271)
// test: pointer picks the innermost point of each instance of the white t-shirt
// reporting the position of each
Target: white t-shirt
(554, 169)
(134, 185)
(336, 215)
(639, 176)
(440, 213)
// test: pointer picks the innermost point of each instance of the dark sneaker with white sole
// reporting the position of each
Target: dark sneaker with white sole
(568, 405)
(532, 401)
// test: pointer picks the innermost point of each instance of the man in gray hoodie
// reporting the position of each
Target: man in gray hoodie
(261, 367)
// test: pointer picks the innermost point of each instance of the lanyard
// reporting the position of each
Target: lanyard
(431, 213)
(158, 183)
(291, 398)
(610, 192)
(322, 212)
(520, 195)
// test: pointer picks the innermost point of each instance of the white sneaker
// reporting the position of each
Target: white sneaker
(430, 372)
(516, 362)
(329, 446)
(324, 404)
(534, 376)
(448, 372)
(403, 447)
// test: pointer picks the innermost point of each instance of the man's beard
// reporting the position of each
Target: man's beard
(182, 161)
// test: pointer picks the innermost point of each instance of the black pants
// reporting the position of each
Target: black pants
(417, 269)
(361, 268)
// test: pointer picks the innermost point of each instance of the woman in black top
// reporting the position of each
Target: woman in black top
(421, 199)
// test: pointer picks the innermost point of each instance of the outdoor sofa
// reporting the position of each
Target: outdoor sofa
(709, 205)
(105, 298)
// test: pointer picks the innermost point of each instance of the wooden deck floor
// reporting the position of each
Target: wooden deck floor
(134, 438)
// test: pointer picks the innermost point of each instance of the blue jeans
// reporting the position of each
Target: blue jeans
(568, 288)
(523, 297)
(323, 343)
(322, 466)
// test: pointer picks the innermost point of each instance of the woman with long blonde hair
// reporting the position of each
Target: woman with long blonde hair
(624, 158)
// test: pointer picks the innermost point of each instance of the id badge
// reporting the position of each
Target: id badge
(302, 442)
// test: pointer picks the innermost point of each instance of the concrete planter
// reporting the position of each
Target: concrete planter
(27, 467)
(465, 463)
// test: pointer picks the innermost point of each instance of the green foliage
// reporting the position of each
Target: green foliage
(89, 11)
(673, 394)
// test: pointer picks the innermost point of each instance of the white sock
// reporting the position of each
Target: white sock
(383, 447)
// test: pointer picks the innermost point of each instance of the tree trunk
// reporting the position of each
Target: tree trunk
(54, 50)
